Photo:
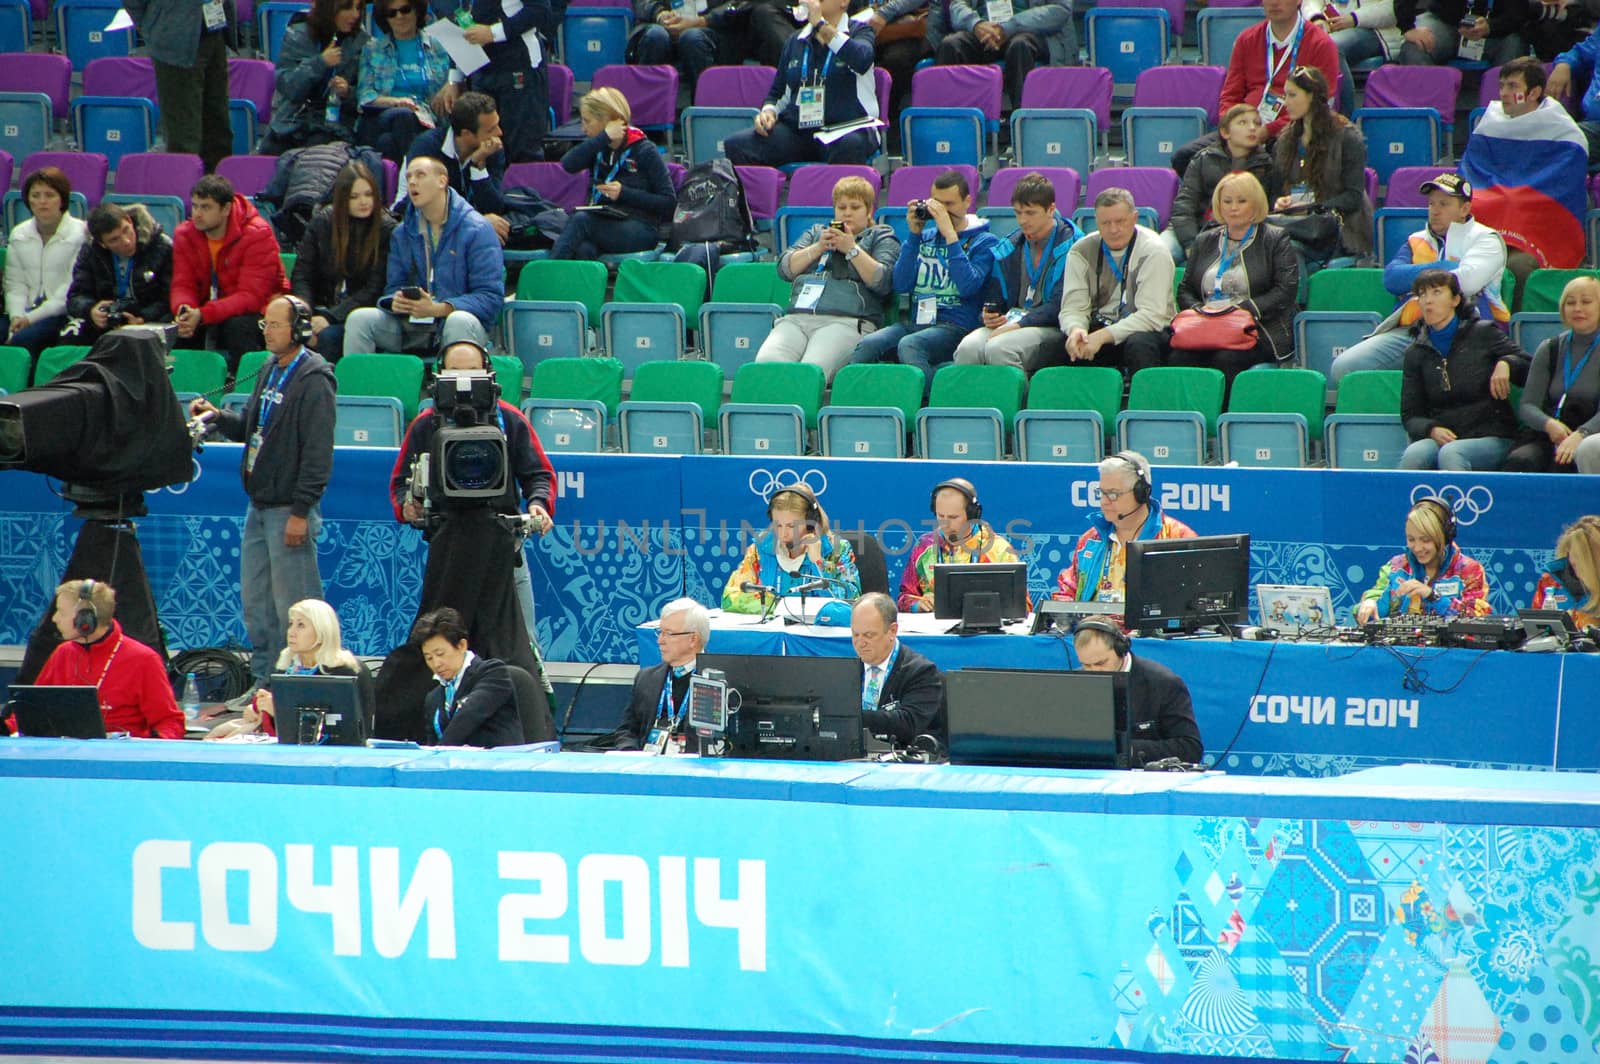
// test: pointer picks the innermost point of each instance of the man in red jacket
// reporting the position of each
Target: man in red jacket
(1264, 54)
(135, 696)
(225, 267)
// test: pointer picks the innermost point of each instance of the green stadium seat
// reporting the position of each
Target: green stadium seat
(1350, 288)
(202, 372)
(52, 360)
(400, 376)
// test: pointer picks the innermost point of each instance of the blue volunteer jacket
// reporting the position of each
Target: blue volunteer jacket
(1009, 282)
(468, 267)
(954, 274)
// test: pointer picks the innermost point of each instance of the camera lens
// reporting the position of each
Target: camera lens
(474, 465)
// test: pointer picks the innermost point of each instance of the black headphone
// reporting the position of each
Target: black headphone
(300, 320)
(87, 618)
(1141, 475)
(1120, 646)
(968, 492)
(1561, 569)
(1447, 516)
(813, 510)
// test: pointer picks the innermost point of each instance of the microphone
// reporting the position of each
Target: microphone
(809, 585)
(750, 587)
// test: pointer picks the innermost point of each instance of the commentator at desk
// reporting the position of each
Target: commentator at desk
(1160, 712)
(660, 695)
(961, 535)
(902, 692)
(797, 548)
(1127, 512)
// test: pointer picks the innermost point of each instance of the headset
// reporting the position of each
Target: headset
(1561, 569)
(300, 320)
(438, 367)
(87, 618)
(1120, 645)
(813, 509)
(1447, 516)
(967, 491)
(1141, 475)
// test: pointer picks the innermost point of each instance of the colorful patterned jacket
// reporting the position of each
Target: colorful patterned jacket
(981, 546)
(760, 566)
(1462, 586)
(1548, 594)
(1097, 561)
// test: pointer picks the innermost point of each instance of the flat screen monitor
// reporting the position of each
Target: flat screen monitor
(1179, 585)
(1557, 623)
(791, 707)
(1036, 719)
(58, 712)
(317, 710)
(952, 583)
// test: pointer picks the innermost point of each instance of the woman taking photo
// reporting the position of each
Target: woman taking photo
(39, 262)
(343, 260)
(1457, 376)
(1239, 149)
(1572, 582)
(1247, 263)
(319, 61)
(314, 649)
(797, 548)
(1560, 409)
(1320, 162)
(401, 72)
(1432, 576)
(630, 191)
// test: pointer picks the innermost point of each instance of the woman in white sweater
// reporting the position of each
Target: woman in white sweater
(39, 262)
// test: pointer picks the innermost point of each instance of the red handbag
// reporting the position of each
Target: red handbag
(1214, 328)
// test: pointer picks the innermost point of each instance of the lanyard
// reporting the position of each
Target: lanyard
(805, 63)
(1288, 57)
(446, 711)
(427, 252)
(1044, 259)
(272, 394)
(1227, 258)
(616, 168)
(1119, 272)
(887, 667)
(974, 555)
(1569, 372)
(665, 708)
(124, 268)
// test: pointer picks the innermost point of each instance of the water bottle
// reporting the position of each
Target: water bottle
(330, 114)
(191, 697)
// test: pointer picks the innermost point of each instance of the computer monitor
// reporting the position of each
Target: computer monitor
(58, 712)
(318, 710)
(1036, 719)
(955, 585)
(1180, 585)
(791, 707)
(1557, 623)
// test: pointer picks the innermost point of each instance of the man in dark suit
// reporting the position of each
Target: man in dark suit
(659, 702)
(475, 703)
(902, 692)
(1158, 700)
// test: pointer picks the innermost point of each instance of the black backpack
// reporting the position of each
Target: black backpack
(712, 209)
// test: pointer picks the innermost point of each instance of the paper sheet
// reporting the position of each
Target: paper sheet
(833, 133)
(468, 57)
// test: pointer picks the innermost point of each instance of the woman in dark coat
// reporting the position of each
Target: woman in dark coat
(314, 93)
(1320, 160)
(629, 186)
(342, 264)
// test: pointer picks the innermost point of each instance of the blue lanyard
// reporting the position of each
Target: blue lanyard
(442, 715)
(887, 667)
(664, 707)
(272, 394)
(1228, 257)
(1294, 53)
(616, 168)
(973, 556)
(805, 62)
(1044, 261)
(1569, 372)
(124, 268)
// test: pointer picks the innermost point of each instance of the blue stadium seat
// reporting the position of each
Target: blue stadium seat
(25, 123)
(114, 126)
(16, 208)
(1055, 136)
(763, 428)
(792, 222)
(568, 425)
(862, 432)
(635, 333)
(272, 22)
(1529, 329)
(1364, 441)
(1217, 29)
(942, 136)
(1165, 437)
(1083, 218)
(1126, 40)
(1320, 336)
(1392, 226)
(660, 427)
(1151, 134)
(81, 30)
(1060, 436)
(243, 120)
(16, 26)
(1399, 136)
(970, 433)
(593, 37)
(367, 421)
(536, 329)
(170, 211)
(731, 333)
(1276, 440)
(706, 128)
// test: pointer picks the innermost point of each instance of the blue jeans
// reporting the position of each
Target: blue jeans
(390, 130)
(927, 348)
(39, 335)
(1483, 454)
(588, 237)
(273, 577)
(330, 341)
(1386, 350)
(694, 51)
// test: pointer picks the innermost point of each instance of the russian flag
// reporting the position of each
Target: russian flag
(1528, 177)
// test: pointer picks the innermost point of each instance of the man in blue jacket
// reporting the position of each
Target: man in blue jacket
(446, 274)
(1580, 60)
(1023, 327)
(944, 266)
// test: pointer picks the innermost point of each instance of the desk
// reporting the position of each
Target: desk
(271, 903)
(1304, 708)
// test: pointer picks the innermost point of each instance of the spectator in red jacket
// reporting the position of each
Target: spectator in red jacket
(225, 268)
(135, 696)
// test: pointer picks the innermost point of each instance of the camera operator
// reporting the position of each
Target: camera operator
(122, 274)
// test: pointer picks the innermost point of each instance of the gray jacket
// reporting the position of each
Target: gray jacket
(171, 28)
(1090, 288)
(1049, 20)
(300, 95)
(843, 291)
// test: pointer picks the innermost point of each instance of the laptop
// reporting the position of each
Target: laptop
(58, 712)
(1035, 719)
(1294, 608)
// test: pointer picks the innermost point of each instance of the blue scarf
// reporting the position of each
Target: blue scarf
(1443, 338)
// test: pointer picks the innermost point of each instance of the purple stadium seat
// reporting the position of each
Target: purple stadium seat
(39, 8)
(1064, 179)
(1152, 186)
(252, 79)
(913, 182)
(959, 86)
(763, 188)
(1404, 181)
(7, 165)
(550, 181)
(155, 173)
(122, 75)
(812, 186)
(1180, 86)
(86, 170)
(39, 72)
(1086, 87)
(1423, 86)
(249, 173)
(1173, 8)
(885, 85)
(733, 86)
(676, 172)
(560, 92)
(391, 180)
(652, 92)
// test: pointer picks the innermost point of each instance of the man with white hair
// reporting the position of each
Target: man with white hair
(657, 716)
(1128, 511)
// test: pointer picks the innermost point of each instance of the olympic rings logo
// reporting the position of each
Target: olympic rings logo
(763, 482)
(1468, 505)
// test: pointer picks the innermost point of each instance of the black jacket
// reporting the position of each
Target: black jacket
(317, 278)
(482, 188)
(1163, 715)
(486, 708)
(94, 275)
(647, 192)
(1191, 210)
(296, 456)
(1453, 391)
(911, 701)
(530, 466)
(644, 706)
(1274, 273)
(300, 87)
(1343, 190)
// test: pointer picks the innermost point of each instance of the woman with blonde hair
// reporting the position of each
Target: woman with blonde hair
(1560, 408)
(1572, 582)
(630, 192)
(798, 547)
(314, 648)
(1433, 576)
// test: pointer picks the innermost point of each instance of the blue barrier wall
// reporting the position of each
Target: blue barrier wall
(634, 531)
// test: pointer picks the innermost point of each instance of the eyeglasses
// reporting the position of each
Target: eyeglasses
(664, 634)
(393, 11)
(1112, 495)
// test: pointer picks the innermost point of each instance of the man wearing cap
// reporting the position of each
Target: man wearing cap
(960, 535)
(1452, 241)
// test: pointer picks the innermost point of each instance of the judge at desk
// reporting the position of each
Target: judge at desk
(1160, 711)
(658, 705)
(798, 548)
(902, 692)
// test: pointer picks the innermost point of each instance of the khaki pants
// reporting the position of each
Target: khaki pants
(824, 340)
